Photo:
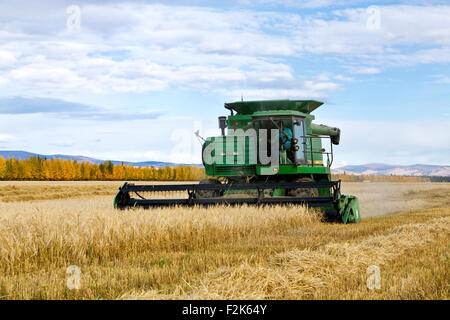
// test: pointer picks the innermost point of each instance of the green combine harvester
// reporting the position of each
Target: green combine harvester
(272, 154)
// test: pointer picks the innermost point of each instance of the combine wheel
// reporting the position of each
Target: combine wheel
(208, 193)
(304, 192)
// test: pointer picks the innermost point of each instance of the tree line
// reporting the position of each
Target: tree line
(36, 168)
(41, 169)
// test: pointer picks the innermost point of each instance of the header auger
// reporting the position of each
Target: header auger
(272, 154)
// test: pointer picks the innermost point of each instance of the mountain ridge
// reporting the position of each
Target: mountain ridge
(398, 170)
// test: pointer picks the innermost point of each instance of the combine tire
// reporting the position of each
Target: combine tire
(304, 192)
(208, 193)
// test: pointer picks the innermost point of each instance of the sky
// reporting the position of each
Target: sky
(133, 80)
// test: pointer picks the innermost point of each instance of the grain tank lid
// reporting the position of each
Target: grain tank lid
(250, 107)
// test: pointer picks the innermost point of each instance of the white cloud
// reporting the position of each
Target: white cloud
(439, 55)
(7, 59)
(311, 89)
(64, 143)
(442, 79)
(145, 47)
(314, 4)
(340, 77)
(365, 70)
(6, 137)
(395, 142)
(399, 26)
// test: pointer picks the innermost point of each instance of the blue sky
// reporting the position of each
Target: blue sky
(132, 81)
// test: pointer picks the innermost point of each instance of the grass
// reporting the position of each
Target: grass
(216, 253)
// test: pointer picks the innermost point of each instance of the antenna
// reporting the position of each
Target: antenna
(197, 134)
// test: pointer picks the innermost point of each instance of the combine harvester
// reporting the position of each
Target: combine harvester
(272, 154)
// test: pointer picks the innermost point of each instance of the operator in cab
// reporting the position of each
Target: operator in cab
(286, 143)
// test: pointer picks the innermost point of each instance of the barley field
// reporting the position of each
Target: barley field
(222, 252)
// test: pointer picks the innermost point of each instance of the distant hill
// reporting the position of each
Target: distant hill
(386, 169)
(22, 155)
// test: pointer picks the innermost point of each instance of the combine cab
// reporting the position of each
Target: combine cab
(272, 154)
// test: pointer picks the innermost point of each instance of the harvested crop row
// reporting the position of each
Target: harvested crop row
(314, 273)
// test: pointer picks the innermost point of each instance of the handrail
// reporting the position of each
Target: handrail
(311, 152)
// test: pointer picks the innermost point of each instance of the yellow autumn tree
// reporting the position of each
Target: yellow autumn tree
(64, 170)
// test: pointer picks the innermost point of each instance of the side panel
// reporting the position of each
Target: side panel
(235, 159)
(231, 156)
